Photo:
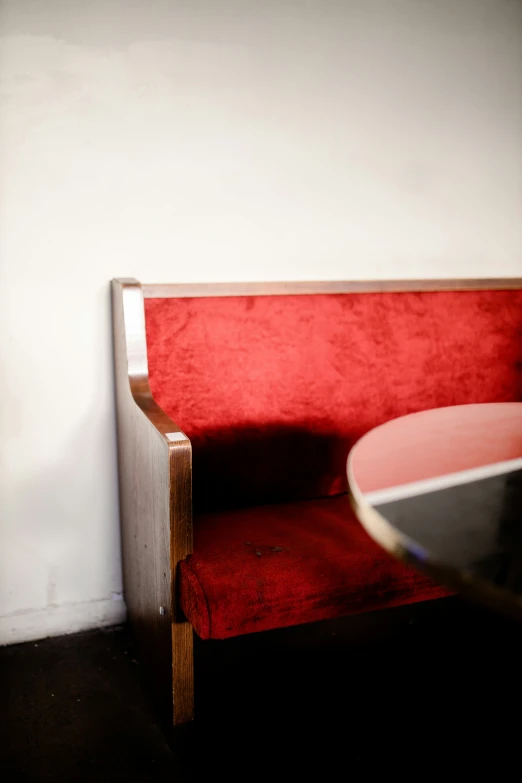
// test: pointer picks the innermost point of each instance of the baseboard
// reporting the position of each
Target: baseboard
(59, 620)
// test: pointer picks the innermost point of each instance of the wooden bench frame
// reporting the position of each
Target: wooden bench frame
(155, 473)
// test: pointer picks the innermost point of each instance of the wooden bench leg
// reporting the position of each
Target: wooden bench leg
(182, 672)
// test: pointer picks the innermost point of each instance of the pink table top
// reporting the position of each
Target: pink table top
(442, 490)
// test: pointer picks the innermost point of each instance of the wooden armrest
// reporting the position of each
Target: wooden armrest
(155, 478)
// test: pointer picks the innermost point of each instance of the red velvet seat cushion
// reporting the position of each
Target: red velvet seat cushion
(279, 565)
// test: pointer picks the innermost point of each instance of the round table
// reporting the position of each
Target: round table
(442, 490)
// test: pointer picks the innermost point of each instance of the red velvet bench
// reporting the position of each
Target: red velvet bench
(235, 518)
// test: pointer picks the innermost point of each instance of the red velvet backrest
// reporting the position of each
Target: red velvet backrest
(273, 390)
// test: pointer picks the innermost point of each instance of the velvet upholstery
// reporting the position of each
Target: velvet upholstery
(273, 391)
(279, 565)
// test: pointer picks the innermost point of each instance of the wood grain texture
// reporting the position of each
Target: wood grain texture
(155, 476)
(187, 290)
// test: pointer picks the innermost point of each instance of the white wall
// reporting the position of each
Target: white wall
(215, 140)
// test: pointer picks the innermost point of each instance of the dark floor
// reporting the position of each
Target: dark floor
(435, 686)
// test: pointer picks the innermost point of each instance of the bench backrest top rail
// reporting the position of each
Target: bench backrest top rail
(188, 290)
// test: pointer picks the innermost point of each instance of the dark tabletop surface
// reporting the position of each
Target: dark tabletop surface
(442, 490)
(474, 528)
